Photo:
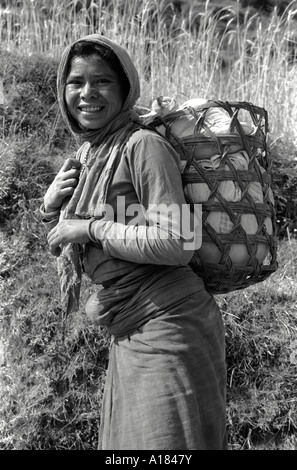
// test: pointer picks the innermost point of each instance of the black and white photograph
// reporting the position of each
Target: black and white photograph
(148, 228)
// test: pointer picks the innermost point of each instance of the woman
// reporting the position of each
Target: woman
(165, 384)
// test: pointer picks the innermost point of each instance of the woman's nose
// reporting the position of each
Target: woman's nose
(88, 91)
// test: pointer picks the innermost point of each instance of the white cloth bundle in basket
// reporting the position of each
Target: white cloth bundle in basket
(219, 122)
(220, 221)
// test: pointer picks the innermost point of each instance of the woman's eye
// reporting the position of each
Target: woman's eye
(98, 82)
(73, 82)
(103, 81)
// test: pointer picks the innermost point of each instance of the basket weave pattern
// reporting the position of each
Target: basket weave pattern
(225, 274)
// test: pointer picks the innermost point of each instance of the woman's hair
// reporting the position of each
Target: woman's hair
(87, 49)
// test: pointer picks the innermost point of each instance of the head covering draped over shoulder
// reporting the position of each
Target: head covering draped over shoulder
(126, 114)
(100, 152)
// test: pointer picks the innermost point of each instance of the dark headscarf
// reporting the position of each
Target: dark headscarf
(107, 146)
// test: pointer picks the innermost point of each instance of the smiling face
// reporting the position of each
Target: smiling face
(94, 94)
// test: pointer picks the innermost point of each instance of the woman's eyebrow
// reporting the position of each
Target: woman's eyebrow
(97, 74)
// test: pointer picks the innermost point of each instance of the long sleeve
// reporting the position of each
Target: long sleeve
(157, 229)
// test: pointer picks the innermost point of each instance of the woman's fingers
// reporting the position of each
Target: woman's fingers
(71, 182)
(54, 242)
(67, 231)
(53, 236)
(63, 185)
(67, 175)
(71, 163)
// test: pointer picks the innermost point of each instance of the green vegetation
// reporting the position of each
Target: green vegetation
(52, 368)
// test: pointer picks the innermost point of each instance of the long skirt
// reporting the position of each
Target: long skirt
(165, 387)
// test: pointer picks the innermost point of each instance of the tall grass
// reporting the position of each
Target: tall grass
(261, 332)
(171, 58)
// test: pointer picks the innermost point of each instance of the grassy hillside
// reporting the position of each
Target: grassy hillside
(52, 368)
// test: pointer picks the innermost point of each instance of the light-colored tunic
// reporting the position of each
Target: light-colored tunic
(148, 174)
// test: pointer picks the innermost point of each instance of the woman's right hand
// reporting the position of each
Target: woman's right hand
(63, 185)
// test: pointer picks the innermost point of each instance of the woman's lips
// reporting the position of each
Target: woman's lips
(90, 109)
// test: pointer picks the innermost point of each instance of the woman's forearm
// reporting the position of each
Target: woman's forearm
(142, 244)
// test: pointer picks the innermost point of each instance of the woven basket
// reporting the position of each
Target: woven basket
(242, 250)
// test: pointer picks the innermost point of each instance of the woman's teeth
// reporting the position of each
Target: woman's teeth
(91, 109)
